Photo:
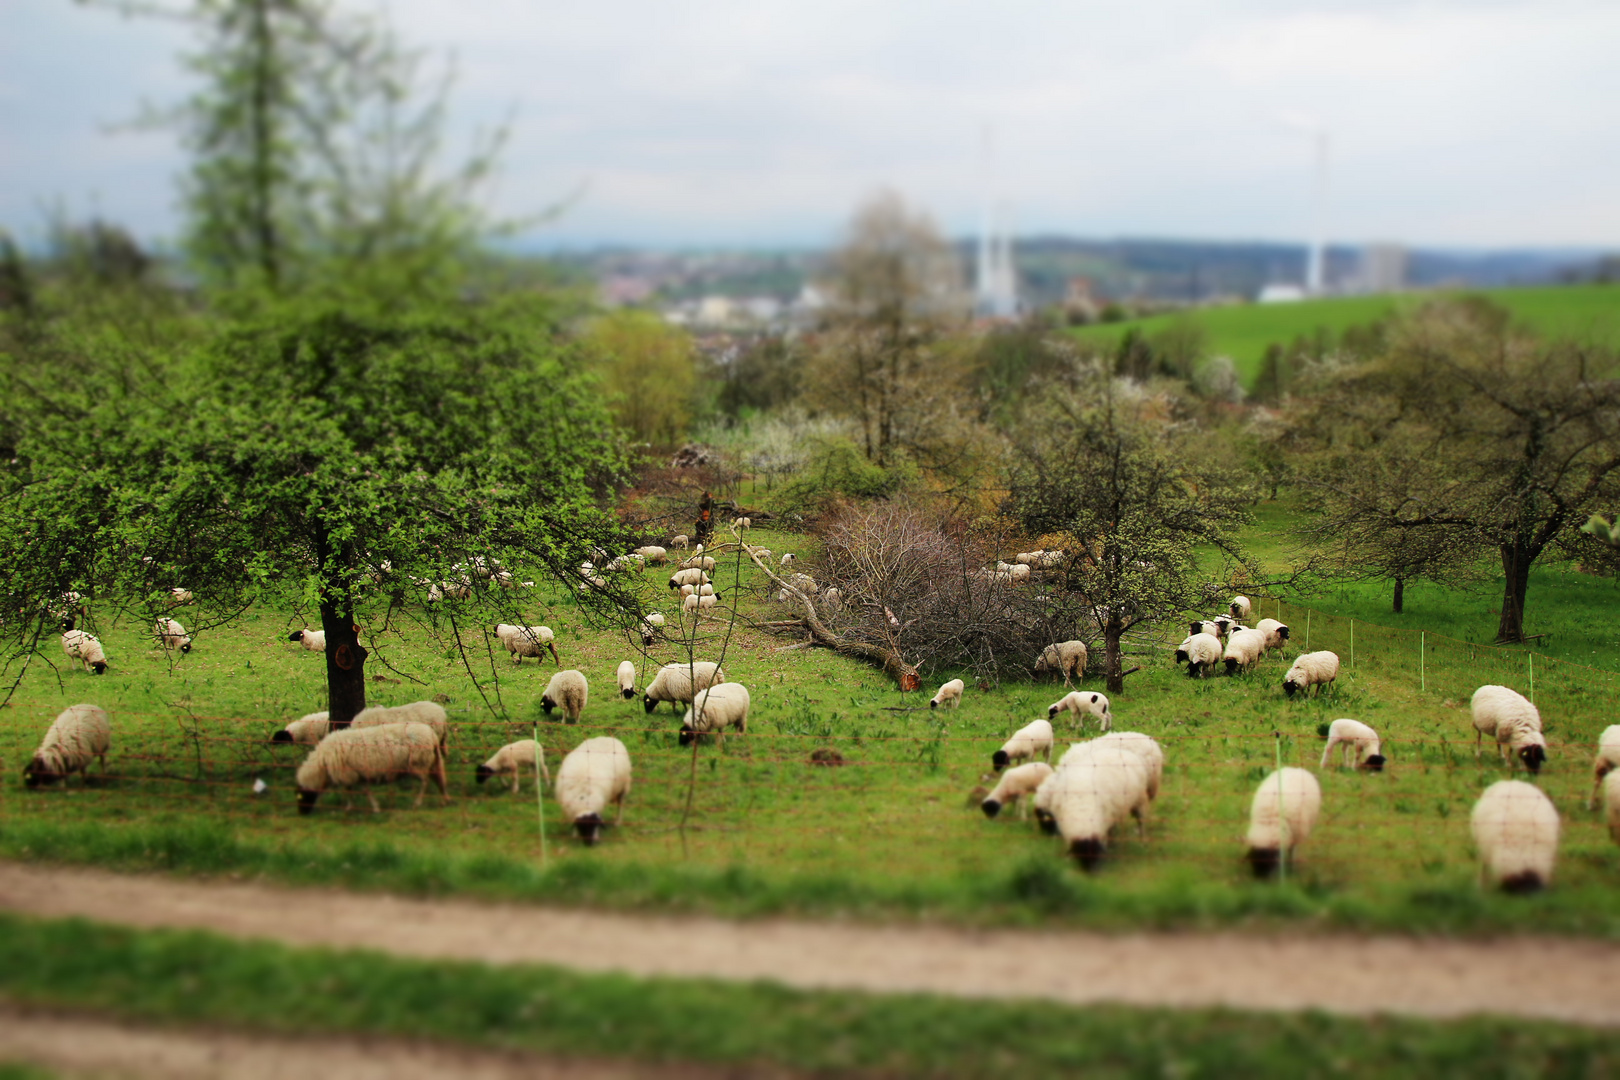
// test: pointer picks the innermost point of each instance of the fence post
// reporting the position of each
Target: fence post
(1532, 658)
(1307, 629)
(1352, 643)
(1423, 681)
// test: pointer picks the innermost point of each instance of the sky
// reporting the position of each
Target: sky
(763, 123)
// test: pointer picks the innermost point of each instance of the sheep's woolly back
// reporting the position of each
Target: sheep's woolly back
(1282, 814)
(678, 682)
(691, 576)
(1507, 716)
(1144, 747)
(172, 635)
(1608, 756)
(1244, 648)
(1067, 657)
(1311, 669)
(1082, 703)
(313, 640)
(627, 678)
(1095, 788)
(81, 645)
(720, 706)
(430, 713)
(517, 758)
(1515, 829)
(1359, 741)
(521, 641)
(78, 735)
(1030, 741)
(307, 730)
(595, 773)
(950, 692)
(567, 691)
(1016, 783)
(367, 755)
(1276, 632)
(1200, 652)
(1611, 804)
(1240, 608)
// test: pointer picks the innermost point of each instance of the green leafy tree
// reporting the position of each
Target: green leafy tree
(649, 374)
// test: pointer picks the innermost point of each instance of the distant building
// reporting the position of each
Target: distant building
(1283, 292)
(1383, 268)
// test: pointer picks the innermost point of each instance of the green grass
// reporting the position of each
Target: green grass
(1582, 312)
(198, 978)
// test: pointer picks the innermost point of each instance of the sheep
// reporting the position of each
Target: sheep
(430, 713)
(1028, 558)
(699, 604)
(79, 734)
(313, 640)
(690, 576)
(81, 645)
(1019, 574)
(787, 560)
(567, 691)
(803, 582)
(627, 679)
(1281, 817)
(1608, 757)
(1144, 747)
(1611, 804)
(688, 590)
(1066, 657)
(832, 601)
(699, 562)
(680, 540)
(708, 590)
(1094, 788)
(171, 635)
(651, 623)
(307, 730)
(595, 773)
(1515, 829)
(950, 693)
(1240, 608)
(1015, 783)
(178, 596)
(1034, 738)
(362, 756)
(1512, 721)
(1358, 740)
(715, 709)
(519, 759)
(1312, 669)
(1243, 651)
(521, 641)
(1276, 633)
(1081, 702)
(652, 554)
(678, 682)
(1216, 628)
(1201, 653)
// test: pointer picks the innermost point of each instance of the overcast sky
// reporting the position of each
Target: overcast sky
(763, 122)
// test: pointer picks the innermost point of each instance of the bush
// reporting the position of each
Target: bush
(836, 471)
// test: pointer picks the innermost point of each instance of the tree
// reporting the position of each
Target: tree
(649, 374)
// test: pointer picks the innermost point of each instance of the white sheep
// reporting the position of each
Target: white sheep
(1515, 829)
(627, 679)
(1016, 783)
(949, 694)
(1515, 724)
(832, 601)
(1028, 558)
(1065, 657)
(651, 623)
(699, 604)
(1608, 757)
(516, 759)
(361, 756)
(1019, 574)
(1096, 786)
(178, 596)
(652, 554)
(787, 559)
(313, 640)
(1240, 608)
(690, 576)
(699, 562)
(171, 635)
(1216, 628)
(1312, 669)
(1243, 651)
(78, 735)
(1082, 703)
(1144, 747)
(678, 682)
(1358, 742)
(1032, 740)
(715, 709)
(1281, 817)
(680, 540)
(1201, 652)
(567, 691)
(430, 713)
(81, 645)
(521, 641)
(595, 773)
(1276, 633)
(803, 582)
(1611, 804)
(307, 730)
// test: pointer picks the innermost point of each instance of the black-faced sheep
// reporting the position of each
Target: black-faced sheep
(1083, 703)
(1312, 669)
(307, 730)
(567, 691)
(1515, 829)
(1028, 742)
(1608, 758)
(517, 760)
(1095, 787)
(82, 646)
(595, 773)
(1358, 744)
(362, 756)
(1201, 652)
(1509, 718)
(1244, 649)
(430, 713)
(1281, 818)
(313, 640)
(79, 735)
(949, 694)
(1015, 784)
(678, 682)
(171, 635)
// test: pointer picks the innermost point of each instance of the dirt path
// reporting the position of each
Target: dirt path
(1549, 978)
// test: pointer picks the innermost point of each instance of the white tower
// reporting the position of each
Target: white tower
(1315, 259)
(996, 294)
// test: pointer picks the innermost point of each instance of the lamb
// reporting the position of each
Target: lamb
(1201, 653)
(595, 773)
(1081, 702)
(1608, 757)
(1095, 787)
(1515, 829)
(1015, 784)
(1067, 657)
(1513, 721)
(362, 756)
(171, 635)
(1312, 669)
(1032, 740)
(1281, 817)
(627, 679)
(1240, 608)
(680, 541)
(81, 645)
(950, 693)
(79, 734)
(1144, 747)
(679, 682)
(699, 603)
(307, 730)
(567, 691)
(521, 641)
(313, 640)
(1244, 648)
(430, 713)
(1276, 633)
(715, 709)
(699, 562)
(652, 554)
(1356, 739)
(1215, 628)
(690, 576)
(517, 759)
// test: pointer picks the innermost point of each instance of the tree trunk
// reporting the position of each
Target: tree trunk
(345, 663)
(1400, 594)
(703, 529)
(1113, 660)
(1516, 560)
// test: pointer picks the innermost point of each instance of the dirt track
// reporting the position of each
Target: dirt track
(1550, 978)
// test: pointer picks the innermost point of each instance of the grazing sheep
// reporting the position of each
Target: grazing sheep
(1358, 741)
(1096, 787)
(1515, 829)
(787, 560)
(690, 576)
(1015, 783)
(679, 682)
(567, 691)
(595, 773)
(517, 759)
(313, 640)
(1065, 657)
(1281, 817)
(78, 735)
(1019, 574)
(1611, 804)
(652, 555)
(307, 730)
(1032, 740)
(804, 583)
(1276, 633)
(1216, 628)
(430, 713)
(362, 756)
(1243, 651)
(1608, 757)
(171, 635)
(1240, 608)
(1144, 747)
(1515, 724)
(178, 596)
(651, 623)
(950, 693)
(832, 601)
(627, 679)
(81, 645)
(1312, 669)
(523, 641)
(699, 603)
(699, 562)
(715, 709)
(1080, 703)
(1201, 653)
(680, 541)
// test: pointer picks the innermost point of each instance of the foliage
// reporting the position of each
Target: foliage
(765, 374)
(835, 470)
(649, 374)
